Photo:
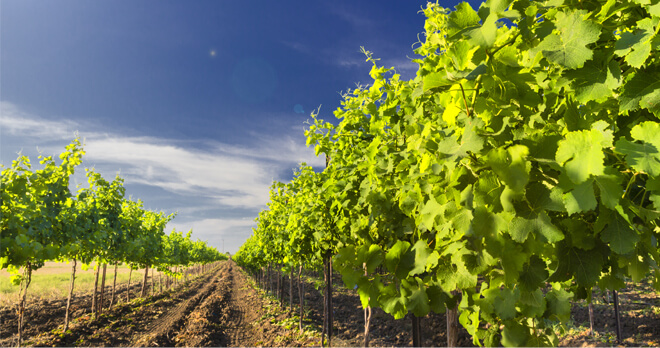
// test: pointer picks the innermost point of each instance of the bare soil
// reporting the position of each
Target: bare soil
(225, 308)
(219, 308)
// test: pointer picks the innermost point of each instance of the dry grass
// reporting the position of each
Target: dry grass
(52, 281)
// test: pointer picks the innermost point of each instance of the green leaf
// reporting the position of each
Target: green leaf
(648, 132)
(478, 261)
(581, 198)
(642, 90)
(422, 253)
(498, 7)
(609, 186)
(611, 282)
(582, 155)
(521, 227)
(513, 258)
(369, 291)
(637, 268)
(620, 235)
(453, 274)
(446, 78)
(644, 157)
(505, 303)
(392, 302)
(449, 116)
(541, 197)
(636, 45)
(534, 274)
(461, 53)
(533, 304)
(400, 260)
(430, 211)
(373, 257)
(596, 80)
(582, 235)
(559, 303)
(584, 265)
(486, 34)
(514, 334)
(486, 223)
(511, 166)
(463, 17)
(417, 300)
(16, 279)
(437, 298)
(569, 47)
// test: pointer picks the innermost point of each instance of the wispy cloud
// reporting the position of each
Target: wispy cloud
(227, 176)
(297, 46)
(15, 121)
(350, 16)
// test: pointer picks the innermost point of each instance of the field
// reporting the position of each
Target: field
(225, 308)
(51, 282)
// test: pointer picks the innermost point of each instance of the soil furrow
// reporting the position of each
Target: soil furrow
(162, 331)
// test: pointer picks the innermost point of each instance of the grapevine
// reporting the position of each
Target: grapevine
(519, 169)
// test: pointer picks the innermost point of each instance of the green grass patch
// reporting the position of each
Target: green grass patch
(52, 282)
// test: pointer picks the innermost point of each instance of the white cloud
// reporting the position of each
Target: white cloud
(14, 121)
(349, 15)
(232, 180)
(227, 233)
(297, 46)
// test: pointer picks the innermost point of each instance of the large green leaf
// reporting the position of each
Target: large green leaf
(620, 235)
(568, 47)
(511, 166)
(534, 274)
(580, 198)
(584, 265)
(392, 301)
(422, 259)
(430, 211)
(559, 303)
(582, 155)
(521, 227)
(644, 157)
(514, 334)
(400, 260)
(596, 81)
(417, 301)
(505, 303)
(635, 45)
(642, 90)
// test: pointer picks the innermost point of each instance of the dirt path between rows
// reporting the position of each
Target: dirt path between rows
(245, 308)
(255, 321)
(161, 332)
(218, 309)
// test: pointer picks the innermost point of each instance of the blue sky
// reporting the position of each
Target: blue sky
(198, 105)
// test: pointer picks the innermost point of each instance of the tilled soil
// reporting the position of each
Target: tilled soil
(224, 308)
(45, 315)
(217, 309)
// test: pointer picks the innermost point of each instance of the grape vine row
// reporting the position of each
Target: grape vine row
(43, 221)
(519, 169)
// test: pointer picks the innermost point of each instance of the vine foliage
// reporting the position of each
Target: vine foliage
(519, 168)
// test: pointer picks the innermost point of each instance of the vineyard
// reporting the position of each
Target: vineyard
(508, 195)
(43, 221)
(516, 175)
